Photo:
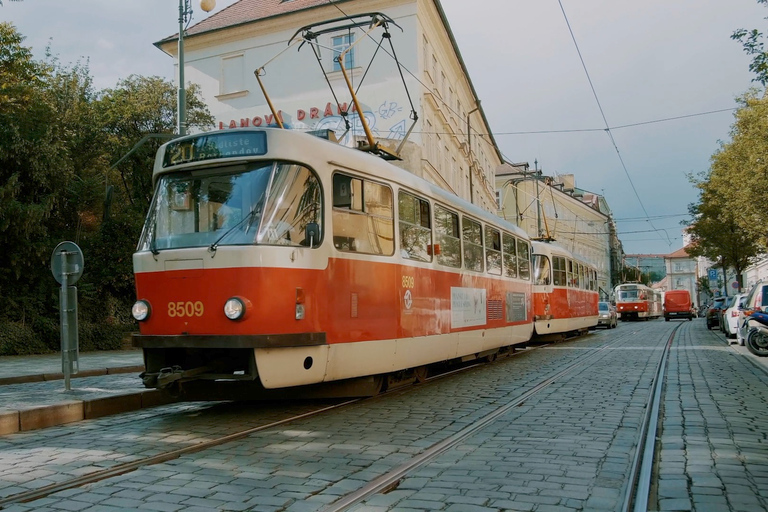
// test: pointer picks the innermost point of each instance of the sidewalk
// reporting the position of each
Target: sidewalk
(20, 369)
(33, 395)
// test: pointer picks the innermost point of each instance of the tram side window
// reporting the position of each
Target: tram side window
(362, 216)
(473, 244)
(447, 235)
(571, 278)
(492, 251)
(541, 270)
(581, 276)
(415, 227)
(509, 245)
(524, 260)
(558, 269)
(294, 202)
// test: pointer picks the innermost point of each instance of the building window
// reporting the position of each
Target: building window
(339, 44)
(232, 75)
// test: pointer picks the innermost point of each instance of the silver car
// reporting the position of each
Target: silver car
(607, 315)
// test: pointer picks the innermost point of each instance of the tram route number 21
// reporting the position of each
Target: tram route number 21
(182, 309)
(408, 282)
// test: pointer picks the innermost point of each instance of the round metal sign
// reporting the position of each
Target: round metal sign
(70, 263)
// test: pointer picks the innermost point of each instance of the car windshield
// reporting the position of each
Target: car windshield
(602, 306)
(267, 203)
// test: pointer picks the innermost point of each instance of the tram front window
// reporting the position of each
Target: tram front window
(628, 295)
(266, 203)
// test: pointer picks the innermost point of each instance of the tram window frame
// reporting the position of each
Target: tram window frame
(473, 248)
(350, 234)
(420, 225)
(524, 260)
(447, 236)
(509, 258)
(542, 270)
(569, 269)
(559, 274)
(493, 251)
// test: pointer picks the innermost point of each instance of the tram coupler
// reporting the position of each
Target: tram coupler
(167, 376)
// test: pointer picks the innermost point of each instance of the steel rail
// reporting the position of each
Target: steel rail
(127, 467)
(156, 459)
(639, 483)
(391, 478)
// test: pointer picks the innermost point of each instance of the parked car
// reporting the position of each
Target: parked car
(757, 298)
(713, 313)
(607, 315)
(731, 315)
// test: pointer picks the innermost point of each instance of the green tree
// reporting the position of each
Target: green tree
(752, 42)
(735, 186)
(59, 139)
(715, 231)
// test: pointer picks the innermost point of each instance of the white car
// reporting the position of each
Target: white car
(731, 315)
(757, 298)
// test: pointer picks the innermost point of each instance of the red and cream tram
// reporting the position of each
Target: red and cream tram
(636, 301)
(565, 292)
(276, 258)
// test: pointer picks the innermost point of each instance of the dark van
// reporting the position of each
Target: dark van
(677, 304)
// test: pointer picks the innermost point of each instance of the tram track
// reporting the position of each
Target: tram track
(643, 457)
(381, 484)
(127, 467)
(390, 480)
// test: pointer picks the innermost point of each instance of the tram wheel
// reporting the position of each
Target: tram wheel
(421, 374)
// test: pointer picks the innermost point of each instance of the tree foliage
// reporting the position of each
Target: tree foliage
(752, 41)
(730, 219)
(59, 140)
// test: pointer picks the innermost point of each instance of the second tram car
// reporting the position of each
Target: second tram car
(565, 291)
(276, 258)
(637, 301)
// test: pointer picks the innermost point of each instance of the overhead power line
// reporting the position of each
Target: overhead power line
(607, 126)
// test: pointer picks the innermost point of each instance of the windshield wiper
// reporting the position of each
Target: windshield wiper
(215, 244)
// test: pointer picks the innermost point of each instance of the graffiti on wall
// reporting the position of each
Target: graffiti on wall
(386, 121)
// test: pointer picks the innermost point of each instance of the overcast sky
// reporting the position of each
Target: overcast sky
(648, 60)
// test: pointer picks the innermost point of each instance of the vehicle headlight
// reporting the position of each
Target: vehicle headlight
(141, 310)
(234, 308)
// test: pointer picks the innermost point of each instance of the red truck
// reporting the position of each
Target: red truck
(677, 304)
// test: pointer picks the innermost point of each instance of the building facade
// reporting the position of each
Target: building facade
(553, 208)
(434, 104)
(682, 272)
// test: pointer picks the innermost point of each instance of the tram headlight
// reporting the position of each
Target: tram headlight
(141, 310)
(234, 308)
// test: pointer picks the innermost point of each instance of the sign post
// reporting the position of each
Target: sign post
(67, 267)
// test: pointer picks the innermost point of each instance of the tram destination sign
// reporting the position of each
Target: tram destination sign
(215, 145)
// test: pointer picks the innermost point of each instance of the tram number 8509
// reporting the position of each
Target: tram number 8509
(183, 309)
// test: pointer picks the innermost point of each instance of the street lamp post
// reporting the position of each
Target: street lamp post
(185, 16)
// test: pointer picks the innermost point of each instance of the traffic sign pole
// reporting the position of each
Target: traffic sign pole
(67, 267)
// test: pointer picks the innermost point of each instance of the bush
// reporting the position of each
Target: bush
(43, 337)
(20, 339)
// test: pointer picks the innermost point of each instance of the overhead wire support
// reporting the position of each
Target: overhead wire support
(309, 34)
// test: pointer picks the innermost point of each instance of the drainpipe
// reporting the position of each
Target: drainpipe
(469, 153)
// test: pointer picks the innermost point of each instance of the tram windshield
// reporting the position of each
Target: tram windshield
(264, 203)
(628, 295)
